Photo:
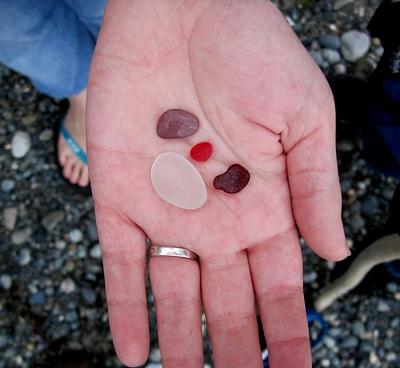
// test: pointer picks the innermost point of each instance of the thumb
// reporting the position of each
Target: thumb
(309, 143)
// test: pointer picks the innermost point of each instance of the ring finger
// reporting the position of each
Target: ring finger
(175, 284)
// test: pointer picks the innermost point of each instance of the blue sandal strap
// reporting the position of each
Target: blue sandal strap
(75, 147)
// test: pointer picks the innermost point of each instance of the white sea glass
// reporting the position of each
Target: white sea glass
(178, 182)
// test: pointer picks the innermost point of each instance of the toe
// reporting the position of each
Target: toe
(84, 179)
(62, 152)
(76, 173)
(68, 168)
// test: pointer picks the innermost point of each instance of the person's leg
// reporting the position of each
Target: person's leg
(89, 12)
(48, 43)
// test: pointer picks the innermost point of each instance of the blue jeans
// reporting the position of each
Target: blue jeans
(50, 41)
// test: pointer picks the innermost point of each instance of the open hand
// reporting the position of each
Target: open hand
(263, 104)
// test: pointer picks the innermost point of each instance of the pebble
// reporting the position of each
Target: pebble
(20, 144)
(155, 355)
(391, 287)
(95, 251)
(330, 342)
(232, 180)
(24, 257)
(358, 328)
(339, 4)
(177, 123)
(92, 231)
(46, 135)
(61, 244)
(21, 236)
(30, 118)
(37, 299)
(7, 185)
(330, 41)
(383, 306)
(370, 205)
(52, 219)
(75, 236)
(350, 342)
(4, 339)
(308, 278)
(67, 286)
(88, 295)
(331, 56)
(340, 68)
(10, 217)
(354, 45)
(316, 55)
(5, 281)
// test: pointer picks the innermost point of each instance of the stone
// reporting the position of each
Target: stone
(383, 306)
(7, 185)
(60, 244)
(358, 329)
(340, 68)
(24, 257)
(5, 281)
(92, 231)
(317, 56)
(75, 236)
(177, 123)
(338, 4)
(308, 278)
(20, 144)
(46, 135)
(10, 217)
(201, 151)
(354, 45)
(350, 342)
(232, 180)
(330, 41)
(37, 298)
(30, 118)
(21, 236)
(52, 219)
(88, 295)
(331, 56)
(155, 355)
(95, 251)
(67, 286)
(178, 182)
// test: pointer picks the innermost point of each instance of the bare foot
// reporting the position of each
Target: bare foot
(73, 168)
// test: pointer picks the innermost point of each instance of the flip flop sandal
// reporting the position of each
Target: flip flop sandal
(72, 143)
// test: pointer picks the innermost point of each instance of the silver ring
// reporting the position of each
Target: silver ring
(160, 250)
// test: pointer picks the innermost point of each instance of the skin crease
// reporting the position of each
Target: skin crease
(265, 105)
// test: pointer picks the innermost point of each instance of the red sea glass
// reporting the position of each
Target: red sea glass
(201, 151)
(232, 180)
(177, 123)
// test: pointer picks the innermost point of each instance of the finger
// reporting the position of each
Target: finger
(276, 269)
(313, 177)
(228, 299)
(124, 262)
(176, 288)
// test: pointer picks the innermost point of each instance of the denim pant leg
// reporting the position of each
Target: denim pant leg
(46, 41)
(89, 12)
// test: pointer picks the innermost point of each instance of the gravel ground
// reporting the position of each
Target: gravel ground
(51, 284)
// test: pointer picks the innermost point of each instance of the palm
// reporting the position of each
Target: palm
(261, 102)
